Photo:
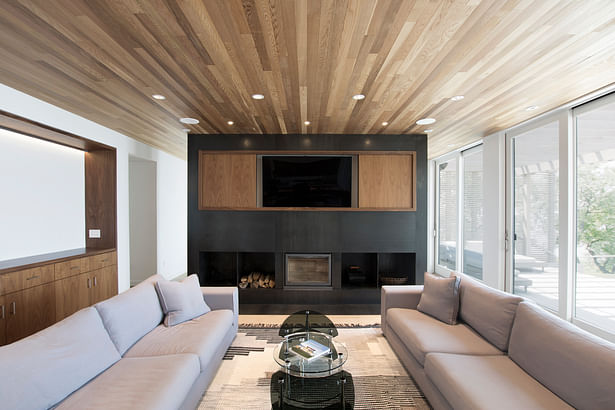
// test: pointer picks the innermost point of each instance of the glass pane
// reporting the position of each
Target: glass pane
(447, 237)
(595, 293)
(473, 214)
(536, 213)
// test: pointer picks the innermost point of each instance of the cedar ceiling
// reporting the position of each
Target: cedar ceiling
(104, 59)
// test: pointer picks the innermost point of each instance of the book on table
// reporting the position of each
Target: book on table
(311, 349)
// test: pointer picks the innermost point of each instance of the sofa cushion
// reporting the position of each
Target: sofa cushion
(201, 336)
(132, 314)
(440, 298)
(181, 301)
(488, 311)
(41, 370)
(151, 383)
(487, 382)
(423, 334)
(574, 364)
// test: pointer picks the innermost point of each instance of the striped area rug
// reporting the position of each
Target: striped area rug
(379, 379)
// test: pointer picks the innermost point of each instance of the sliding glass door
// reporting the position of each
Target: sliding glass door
(595, 210)
(535, 224)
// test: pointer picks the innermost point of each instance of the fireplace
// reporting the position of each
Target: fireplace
(308, 270)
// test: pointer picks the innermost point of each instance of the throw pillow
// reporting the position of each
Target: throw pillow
(440, 298)
(181, 301)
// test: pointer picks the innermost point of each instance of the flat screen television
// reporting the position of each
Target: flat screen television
(306, 181)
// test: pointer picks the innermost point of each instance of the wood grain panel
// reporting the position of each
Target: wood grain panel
(72, 294)
(27, 278)
(68, 268)
(227, 181)
(100, 261)
(3, 313)
(29, 311)
(104, 284)
(100, 198)
(387, 181)
(104, 59)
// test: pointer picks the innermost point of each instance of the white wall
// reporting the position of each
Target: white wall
(143, 219)
(42, 209)
(171, 184)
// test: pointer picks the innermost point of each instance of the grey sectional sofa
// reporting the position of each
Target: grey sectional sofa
(505, 353)
(118, 355)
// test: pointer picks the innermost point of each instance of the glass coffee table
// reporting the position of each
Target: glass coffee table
(310, 382)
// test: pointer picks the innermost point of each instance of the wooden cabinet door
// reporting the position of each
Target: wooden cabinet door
(227, 180)
(29, 311)
(71, 295)
(3, 312)
(104, 283)
(387, 181)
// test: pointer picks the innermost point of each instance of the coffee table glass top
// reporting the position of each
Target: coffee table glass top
(297, 365)
(307, 321)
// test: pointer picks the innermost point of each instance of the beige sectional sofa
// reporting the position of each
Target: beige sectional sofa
(119, 355)
(504, 353)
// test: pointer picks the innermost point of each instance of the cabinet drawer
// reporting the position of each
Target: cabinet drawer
(101, 261)
(23, 279)
(68, 268)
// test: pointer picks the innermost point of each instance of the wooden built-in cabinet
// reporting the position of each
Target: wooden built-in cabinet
(35, 298)
(83, 282)
(386, 180)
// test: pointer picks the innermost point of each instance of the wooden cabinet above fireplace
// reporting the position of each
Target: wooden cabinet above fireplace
(381, 180)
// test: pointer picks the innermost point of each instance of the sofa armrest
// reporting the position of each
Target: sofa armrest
(222, 297)
(406, 296)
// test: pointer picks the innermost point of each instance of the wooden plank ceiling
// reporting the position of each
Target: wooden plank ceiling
(103, 60)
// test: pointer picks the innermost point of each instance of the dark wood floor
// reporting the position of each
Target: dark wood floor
(285, 309)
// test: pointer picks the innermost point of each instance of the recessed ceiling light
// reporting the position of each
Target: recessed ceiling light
(306, 122)
(186, 129)
(457, 98)
(531, 108)
(428, 130)
(385, 123)
(258, 96)
(188, 120)
(358, 97)
(230, 122)
(159, 97)
(450, 145)
(426, 121)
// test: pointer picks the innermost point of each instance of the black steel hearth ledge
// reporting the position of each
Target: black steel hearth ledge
(326, 309)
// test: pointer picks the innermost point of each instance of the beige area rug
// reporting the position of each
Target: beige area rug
(380, 381)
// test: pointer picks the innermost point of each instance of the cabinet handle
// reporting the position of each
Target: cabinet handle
(95, 282)
(33, 277)
(89, 283)
(74, 267)
(104, 260)
(14, 308)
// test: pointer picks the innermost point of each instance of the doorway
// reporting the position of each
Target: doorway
(143, 216)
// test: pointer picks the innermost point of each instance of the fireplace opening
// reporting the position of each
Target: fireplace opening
(308, 270)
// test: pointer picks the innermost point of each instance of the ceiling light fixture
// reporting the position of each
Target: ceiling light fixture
(457, 98)
(385, 123)
(427, 131)
(186, 129)
(358, 97)
(188, 120)
(531, 108)
(426, 121)
(306, 122)
(450, 145)
(159, 97)
(230, 122)
(258, 96)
